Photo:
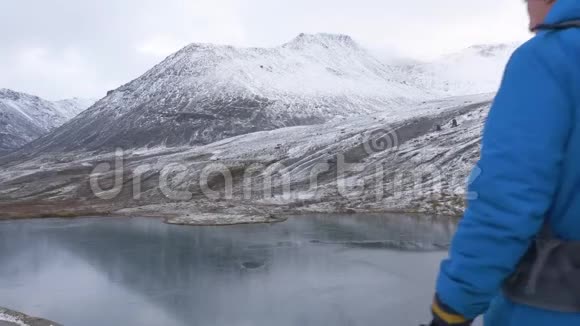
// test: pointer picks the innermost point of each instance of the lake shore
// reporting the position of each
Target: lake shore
(186, 213)
(207, 218)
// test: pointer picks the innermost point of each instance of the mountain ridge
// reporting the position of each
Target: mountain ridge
(25, 117)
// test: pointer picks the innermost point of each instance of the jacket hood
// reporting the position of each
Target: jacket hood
(564, 10)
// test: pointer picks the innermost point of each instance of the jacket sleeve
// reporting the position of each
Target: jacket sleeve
(523, 145)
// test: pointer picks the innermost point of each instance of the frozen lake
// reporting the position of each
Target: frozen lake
(310, 270)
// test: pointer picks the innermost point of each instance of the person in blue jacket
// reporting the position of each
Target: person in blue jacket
(528, 175)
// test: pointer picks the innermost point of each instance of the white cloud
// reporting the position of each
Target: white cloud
(56, 73)
(159, 45)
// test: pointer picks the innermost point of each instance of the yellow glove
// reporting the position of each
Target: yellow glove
(444, 315)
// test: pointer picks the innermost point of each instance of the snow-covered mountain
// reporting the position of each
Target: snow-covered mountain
(205, 93)
(24, 117)
(475, 70)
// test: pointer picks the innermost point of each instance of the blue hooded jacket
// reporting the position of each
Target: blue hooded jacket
(529, 171)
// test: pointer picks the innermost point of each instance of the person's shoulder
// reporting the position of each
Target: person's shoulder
(548, 49)
(537, 45)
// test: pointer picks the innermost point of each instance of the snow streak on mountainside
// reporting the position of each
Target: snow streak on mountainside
(475, 70)
(205, 93)
(24, 117)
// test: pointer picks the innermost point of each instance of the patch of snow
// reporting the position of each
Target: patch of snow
(12, 319)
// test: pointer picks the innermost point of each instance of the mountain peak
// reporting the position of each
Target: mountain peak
(193, 47)
(323, 39)
(205, 93)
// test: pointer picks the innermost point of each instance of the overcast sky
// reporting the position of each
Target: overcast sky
(65, 48)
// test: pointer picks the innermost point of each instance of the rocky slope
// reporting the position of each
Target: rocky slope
(24, 117)
(205, 93)
(417, 161)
